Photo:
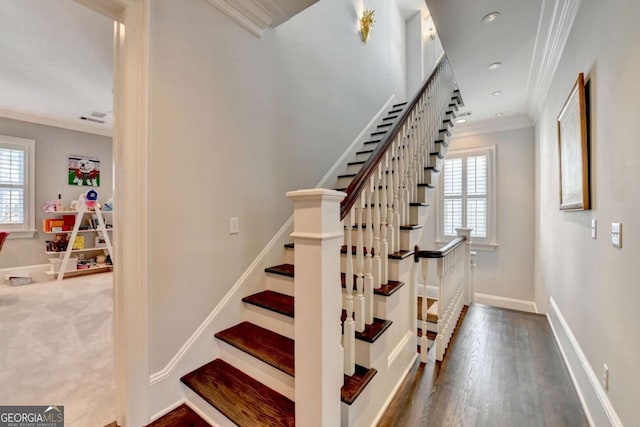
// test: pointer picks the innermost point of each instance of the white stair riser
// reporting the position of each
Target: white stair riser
(425, 194)
(279, 283)
(410, 238)
(418, 214)
(383, 306)
(344, 182)
(353, 168)
(431, 177)
(288, 256)
(371, 355)
(205, 409)
(257, 369)
(276, 322)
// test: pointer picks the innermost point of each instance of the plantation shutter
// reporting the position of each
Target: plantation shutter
(12, 185)
(452, 186)
(477, 195)
(465, 192)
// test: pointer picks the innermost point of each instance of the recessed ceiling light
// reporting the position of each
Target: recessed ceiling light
(494, 65)
(496, 93)
(461, 121)
(490, 17)
(498, 114)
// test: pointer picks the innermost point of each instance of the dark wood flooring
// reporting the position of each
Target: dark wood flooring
(182, 416)
(502, 368)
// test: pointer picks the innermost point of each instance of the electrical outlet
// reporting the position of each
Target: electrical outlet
(616, 234)
(234, 226)
(605, 376)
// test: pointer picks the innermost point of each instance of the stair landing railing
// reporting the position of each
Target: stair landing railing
(369, 216)
(454, 288)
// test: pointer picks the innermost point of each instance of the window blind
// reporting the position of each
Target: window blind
(12, 185)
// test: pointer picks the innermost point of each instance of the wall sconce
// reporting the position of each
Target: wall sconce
(366, 23)
(432, 34)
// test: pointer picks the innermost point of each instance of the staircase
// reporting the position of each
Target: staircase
(279, 355)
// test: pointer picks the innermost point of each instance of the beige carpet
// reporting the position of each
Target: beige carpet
(56, 347)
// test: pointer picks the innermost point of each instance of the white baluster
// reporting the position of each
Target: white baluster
(391, 236)
(368, 260)
(384, 248)
(377, 261)
(359, 300)
(396, 194)
(349, 331)
(440, 339)
(424, 341)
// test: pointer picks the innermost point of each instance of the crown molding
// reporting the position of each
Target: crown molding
(251, 14)
(493, 125)
(57, 122)
(257, 15)
(547, 52)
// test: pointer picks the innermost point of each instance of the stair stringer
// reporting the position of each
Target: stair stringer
(165, 389)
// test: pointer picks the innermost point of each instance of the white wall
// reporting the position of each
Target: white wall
(507, 271)
(432, 49)
(236, 122)
(595, 285)
(53, 146)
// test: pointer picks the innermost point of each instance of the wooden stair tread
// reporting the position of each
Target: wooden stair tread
(181, 416)
(390, 118)
(274, 301)
(239, 397)
(394, 111)
(427, 185)
(361, 162)
(399, 105)
(273, 349)
(354, 249)
(356, 383)
(419, 204)
(432, 310)
(289, 246)
(386, 289)
(282, 270)
(430, 334)
(371, 332)
(364, 152)
(411, 227)
(401, 254)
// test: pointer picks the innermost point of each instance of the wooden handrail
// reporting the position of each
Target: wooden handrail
(359, 182)
(440, 253)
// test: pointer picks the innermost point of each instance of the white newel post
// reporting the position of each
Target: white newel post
(317, 236)
(466, 262)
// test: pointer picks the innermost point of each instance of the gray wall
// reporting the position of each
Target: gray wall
(53, 145)
(237, 121)
(508, 270)
(595, 285)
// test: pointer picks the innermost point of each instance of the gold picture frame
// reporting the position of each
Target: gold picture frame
(573, 150)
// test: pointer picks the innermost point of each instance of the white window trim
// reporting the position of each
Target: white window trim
(490, 242)
(29, 229)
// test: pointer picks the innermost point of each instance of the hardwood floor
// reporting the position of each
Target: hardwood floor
(502, 368)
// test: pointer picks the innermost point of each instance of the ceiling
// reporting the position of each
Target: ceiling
(57, 64)
(58, 60)
(527, 38)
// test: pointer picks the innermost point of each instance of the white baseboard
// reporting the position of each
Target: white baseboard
(396, 387)
(594, 399)
(37, 272)
(502, 302)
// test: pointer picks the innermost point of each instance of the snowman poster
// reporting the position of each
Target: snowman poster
(84, 171)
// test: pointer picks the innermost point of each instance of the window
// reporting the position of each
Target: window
(466, 195)
(16, 186)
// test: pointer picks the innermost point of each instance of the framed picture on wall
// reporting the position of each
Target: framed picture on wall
(84, 171)
(574, 150)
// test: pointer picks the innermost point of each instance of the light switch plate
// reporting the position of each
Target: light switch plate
(616, 234)
(594, 228)
(234, 226)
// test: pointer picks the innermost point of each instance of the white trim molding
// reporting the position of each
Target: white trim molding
(594, 399)
(503, 302)
(58, 122)
(549, 45)
(493, 125)
(256, 16)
